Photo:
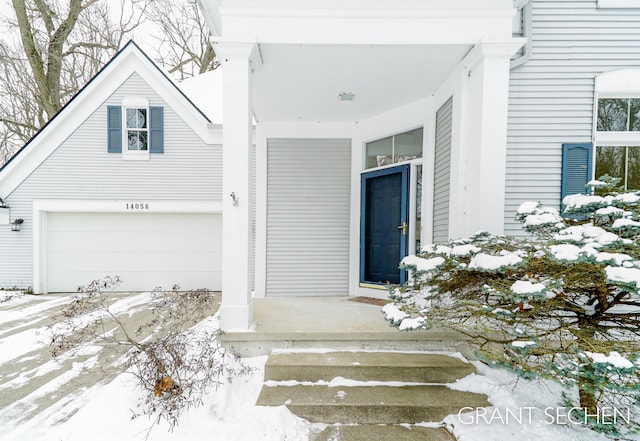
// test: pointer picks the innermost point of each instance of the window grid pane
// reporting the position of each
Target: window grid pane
(137, 140)
(613, 114)
(611, 160)
(633, 168)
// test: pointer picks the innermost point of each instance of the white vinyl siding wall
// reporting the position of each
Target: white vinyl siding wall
(82, 169)
(308, 201)
(551, 95)
(442, 173)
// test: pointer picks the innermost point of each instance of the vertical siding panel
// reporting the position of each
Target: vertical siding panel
(308, 201)
(551, 95)
(442, 172)
(81, 168)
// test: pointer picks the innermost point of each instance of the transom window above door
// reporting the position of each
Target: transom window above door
(393, 149)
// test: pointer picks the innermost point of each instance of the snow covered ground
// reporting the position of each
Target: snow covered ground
(44, 400)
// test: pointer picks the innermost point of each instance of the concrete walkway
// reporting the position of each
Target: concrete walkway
(334, 322)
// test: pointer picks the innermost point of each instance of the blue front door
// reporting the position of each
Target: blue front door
(384, 225)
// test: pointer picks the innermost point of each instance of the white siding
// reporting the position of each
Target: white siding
(308, 188)
(81, 168)
(551, 95)
(442, 173)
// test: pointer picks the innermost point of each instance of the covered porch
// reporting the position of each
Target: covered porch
(329, 85)
(339, 323)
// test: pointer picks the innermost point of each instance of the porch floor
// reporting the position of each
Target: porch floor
(300, 323)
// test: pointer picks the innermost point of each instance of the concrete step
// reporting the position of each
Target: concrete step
(370, 405)
(371, 432)
(252, 344)
(366, 366)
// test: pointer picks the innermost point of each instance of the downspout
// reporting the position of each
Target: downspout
(524, 8)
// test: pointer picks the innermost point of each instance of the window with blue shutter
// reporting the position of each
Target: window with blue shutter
(114, 129)
(135, 129)
(156, 130)
(576, 168)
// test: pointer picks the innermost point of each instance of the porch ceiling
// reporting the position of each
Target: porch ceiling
(302, 82)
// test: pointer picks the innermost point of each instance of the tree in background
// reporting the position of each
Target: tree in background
(562, 304)
(184, 43)
(50, 48)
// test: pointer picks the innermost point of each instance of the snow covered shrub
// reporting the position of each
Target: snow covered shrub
(174, 355)
(562, 304)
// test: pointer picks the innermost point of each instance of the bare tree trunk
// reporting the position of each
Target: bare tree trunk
(63, 44)
(588, 400)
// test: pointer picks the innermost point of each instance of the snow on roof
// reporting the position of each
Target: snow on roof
(205, 91)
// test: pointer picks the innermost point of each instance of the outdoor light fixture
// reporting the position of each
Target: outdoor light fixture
(346, 96)
(15, 225)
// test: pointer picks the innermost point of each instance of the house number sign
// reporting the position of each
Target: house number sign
(137, 206)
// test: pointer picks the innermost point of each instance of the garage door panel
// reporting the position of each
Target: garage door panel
(123, 261)
(145, 250)
(133, 242)
(144, 281)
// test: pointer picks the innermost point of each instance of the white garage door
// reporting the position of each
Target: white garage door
(145, 249)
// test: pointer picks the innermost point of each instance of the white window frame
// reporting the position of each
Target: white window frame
(624, 83)
(134, 103)
(393, 152)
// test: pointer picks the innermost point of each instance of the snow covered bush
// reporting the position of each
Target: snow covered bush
(174, 354)
(563, 303)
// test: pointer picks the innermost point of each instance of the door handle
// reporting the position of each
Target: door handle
(403, 227)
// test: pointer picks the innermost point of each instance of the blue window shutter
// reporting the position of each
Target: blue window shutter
(156, 130)
(114, 129)
(576, 168)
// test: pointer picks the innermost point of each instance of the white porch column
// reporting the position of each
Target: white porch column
(236, 311)
(480, 204)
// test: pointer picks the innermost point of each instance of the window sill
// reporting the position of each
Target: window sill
(135, 156)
